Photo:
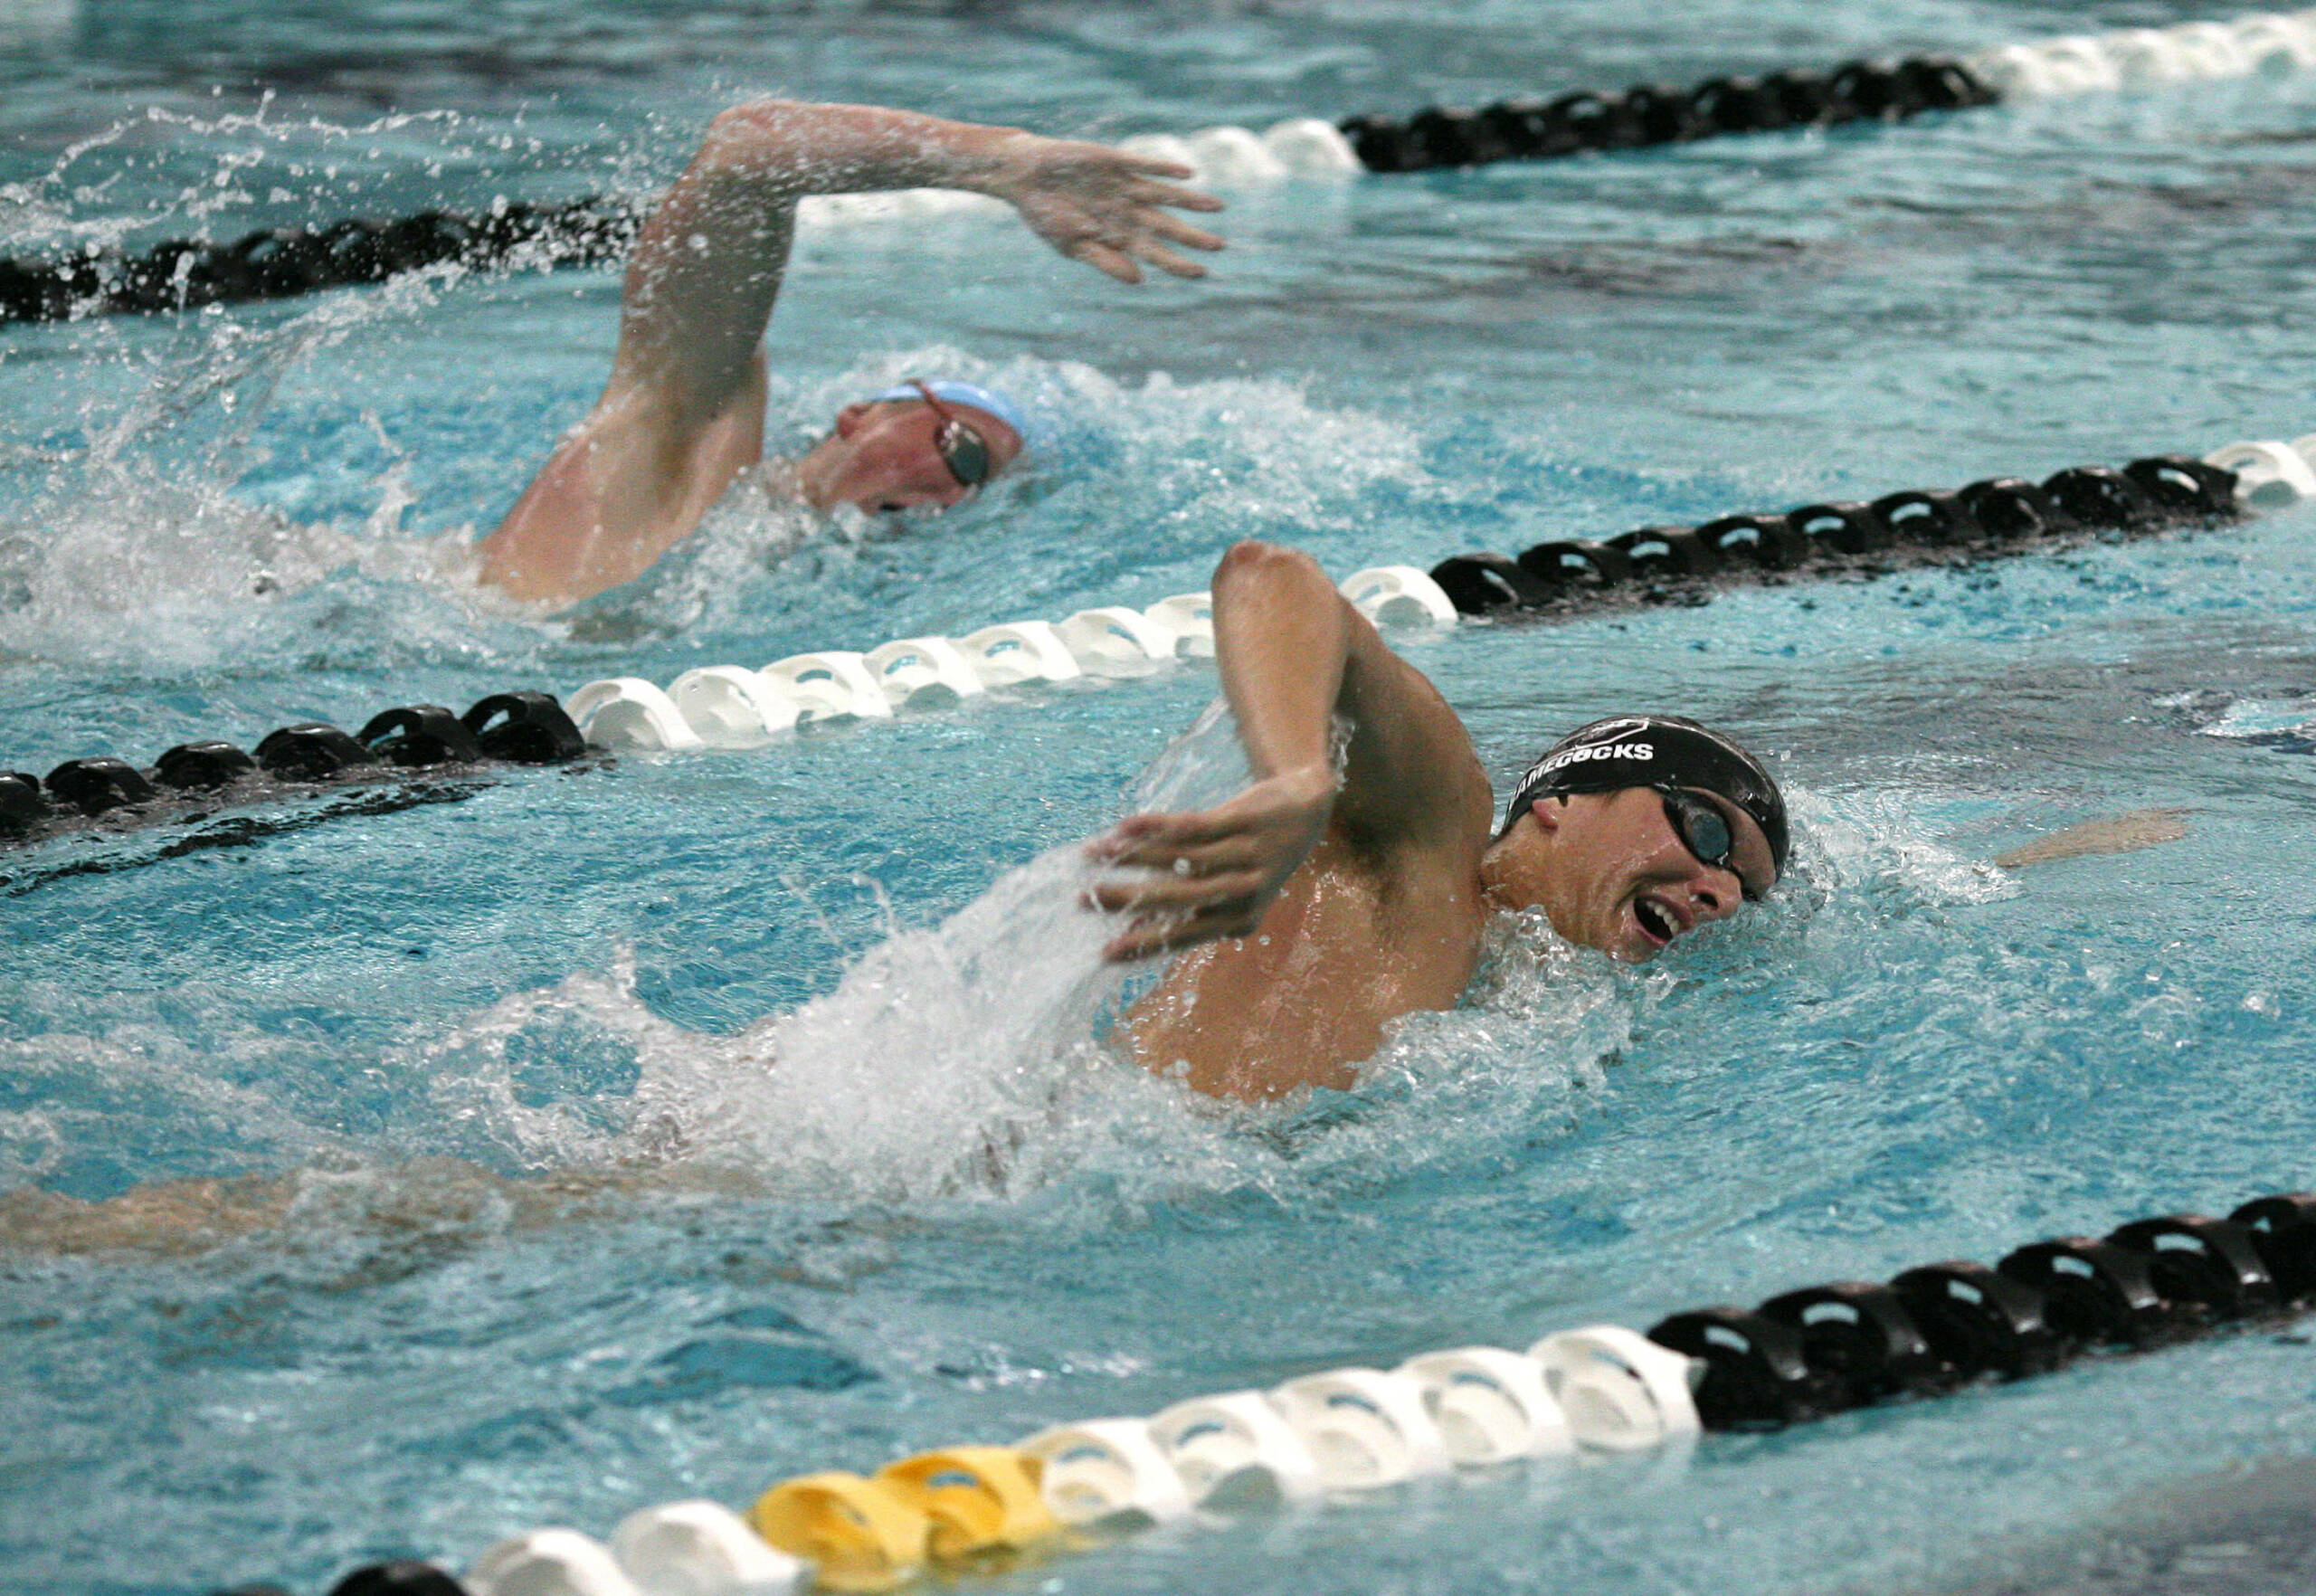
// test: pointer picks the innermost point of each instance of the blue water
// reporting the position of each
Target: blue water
(915, 1204)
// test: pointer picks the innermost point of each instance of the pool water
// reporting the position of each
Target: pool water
(834, 995)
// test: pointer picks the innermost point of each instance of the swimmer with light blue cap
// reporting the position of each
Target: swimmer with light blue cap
(683, 417)
(957, 391)
(976, 432)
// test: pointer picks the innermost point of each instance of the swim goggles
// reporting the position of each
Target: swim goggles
(964, 450)
(1704, 831)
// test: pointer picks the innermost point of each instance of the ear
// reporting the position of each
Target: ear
(1547, 813)
(848, 419)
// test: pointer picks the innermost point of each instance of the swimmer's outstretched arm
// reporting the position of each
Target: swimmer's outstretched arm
(427, 1198)
(2117, 834)
(1296, 658)
(684, 411)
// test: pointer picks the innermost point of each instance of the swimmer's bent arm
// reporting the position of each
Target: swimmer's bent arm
(683, 412)
(1295, 656)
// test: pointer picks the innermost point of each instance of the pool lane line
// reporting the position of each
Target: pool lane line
(211, 831)
(1993, 517)
(1582, 1396)
(1649, 114)
(283, 262)
(370, 772)
(734, 706)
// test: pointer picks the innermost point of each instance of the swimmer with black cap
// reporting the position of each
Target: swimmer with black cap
(683, 416)
(1314, 909)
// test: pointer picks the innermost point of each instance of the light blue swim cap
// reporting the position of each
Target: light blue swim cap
(957, 391)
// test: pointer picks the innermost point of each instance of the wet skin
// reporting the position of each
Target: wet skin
(1312, 911)
(886, 457)
(1611, 872)
(683, 414)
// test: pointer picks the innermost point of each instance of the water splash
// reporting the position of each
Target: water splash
(968, 1060)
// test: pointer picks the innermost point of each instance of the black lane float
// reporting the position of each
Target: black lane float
(1996, 515)
(1929, 1332)
(1655, 113)
(189, 782)
(2154, 1282)
(283, 262)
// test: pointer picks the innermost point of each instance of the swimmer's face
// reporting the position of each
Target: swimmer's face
(1609, 871)
(887, 456)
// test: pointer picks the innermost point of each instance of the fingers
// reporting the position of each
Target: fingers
(1171, 194)
(1233, 852)
(1170, 933)
(1106, 259)
(1173, 911)
(1116, 255)
(1166, 894)
(1154, 838)
(1149, 166)
(1175, 230)
(1166, 261)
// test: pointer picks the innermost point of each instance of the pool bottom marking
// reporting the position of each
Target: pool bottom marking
(1587, 1393)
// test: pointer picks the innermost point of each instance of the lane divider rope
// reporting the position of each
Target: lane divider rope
(279, 262)
(1994, 516)
(734, 706)
(2262, 43)
(1576, 1397)
(192, 780)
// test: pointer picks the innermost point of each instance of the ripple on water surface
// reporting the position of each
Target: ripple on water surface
(820, 1027)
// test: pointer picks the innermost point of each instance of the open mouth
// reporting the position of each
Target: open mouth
(1657, 921)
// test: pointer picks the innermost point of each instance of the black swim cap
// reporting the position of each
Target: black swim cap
(1656, 751)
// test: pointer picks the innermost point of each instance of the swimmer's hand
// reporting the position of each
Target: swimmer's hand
(1101, 206)
(2118, 833)
(1218, 869)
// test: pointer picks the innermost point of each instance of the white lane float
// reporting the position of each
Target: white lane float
(728, 707)
(1399, 595)
(628, 712)
(701, 1549)
(1620, 1391)
(2275, 44)
(923, 671)
(830, 685)
(2268, 475)
(549, 1562)
(1364, 1428)
(1235, 1449)
(1017, 652)
(1305, 148)
(1107, 1472)
(1490, 1405)
(1190, 616)
(2190, 52)
(1114, 640)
